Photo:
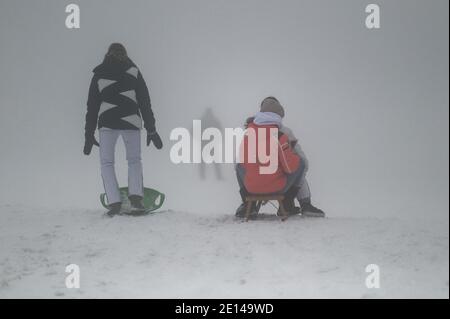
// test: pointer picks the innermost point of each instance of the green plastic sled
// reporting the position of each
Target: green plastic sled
(152, 199)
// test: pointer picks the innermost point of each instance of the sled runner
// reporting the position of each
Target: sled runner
(152, 200)
(262, 199)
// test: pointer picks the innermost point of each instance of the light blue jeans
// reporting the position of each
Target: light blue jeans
(298, 178)
(108, 141)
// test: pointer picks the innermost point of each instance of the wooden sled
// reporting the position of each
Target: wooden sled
(264, 199)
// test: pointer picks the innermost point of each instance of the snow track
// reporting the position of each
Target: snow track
(181, 255)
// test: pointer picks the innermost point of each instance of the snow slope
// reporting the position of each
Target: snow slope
(180, 255)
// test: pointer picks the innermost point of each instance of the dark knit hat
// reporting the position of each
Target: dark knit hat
(271, 104)
(117, 51)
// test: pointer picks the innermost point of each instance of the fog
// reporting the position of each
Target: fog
(370, 107)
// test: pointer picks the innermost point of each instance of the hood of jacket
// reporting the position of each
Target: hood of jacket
(113, 67)
(267, 118)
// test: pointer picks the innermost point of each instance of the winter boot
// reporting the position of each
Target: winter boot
(136, 203)
(309, 210)
(290, 208)
(242, 210)
(288, 202)
(114, 209)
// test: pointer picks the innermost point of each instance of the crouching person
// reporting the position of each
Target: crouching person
(271, 104)
(255, 171)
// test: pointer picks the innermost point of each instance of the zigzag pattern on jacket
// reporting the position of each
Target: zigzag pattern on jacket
(118, 97)
(119, 104)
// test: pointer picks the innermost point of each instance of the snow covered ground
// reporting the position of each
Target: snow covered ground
(181, 255)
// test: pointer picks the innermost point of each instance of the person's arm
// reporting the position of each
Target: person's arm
(144, 104)
(93, 106)
(288, 159)
(294, 143)
(145, 107)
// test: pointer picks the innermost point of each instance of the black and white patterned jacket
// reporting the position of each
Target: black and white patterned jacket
(118, 98)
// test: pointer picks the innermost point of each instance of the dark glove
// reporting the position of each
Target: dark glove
(89, 142)
(155, 138)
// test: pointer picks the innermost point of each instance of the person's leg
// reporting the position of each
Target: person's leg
(293, 179)
(218, 169)
(240, 175)
(304, 198)
(291, 189)
(107, 141)
(201, 169)
(241, 210)
(304, 193)
(132, 140)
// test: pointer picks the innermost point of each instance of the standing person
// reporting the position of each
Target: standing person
(118, 101)
(209, 120)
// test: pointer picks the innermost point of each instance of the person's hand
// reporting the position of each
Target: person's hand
(155, 138)
(89, 142)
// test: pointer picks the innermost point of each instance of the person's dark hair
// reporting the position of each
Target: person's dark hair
(116, 51)
(269, 98)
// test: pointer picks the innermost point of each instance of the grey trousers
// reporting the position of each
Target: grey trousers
(304, 193)
(108, 141)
